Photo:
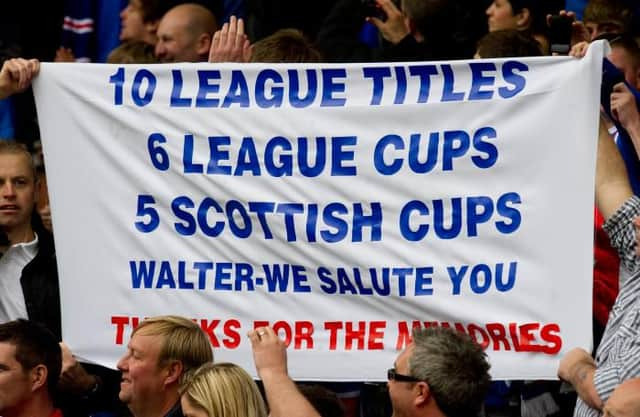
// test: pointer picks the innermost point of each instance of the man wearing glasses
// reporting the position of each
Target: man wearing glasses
(441, 373)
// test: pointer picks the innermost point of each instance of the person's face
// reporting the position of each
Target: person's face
(142, 377)
(620, 58)
(15, 387)
(500, 16)
(189, 409)
(597, 29)
(176, 43)
(133, 25)
(400, 392)
(17, 191)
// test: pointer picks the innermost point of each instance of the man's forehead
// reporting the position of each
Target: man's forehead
(145, 341)
(14, 161)
(7, 351)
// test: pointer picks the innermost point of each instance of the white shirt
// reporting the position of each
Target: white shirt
(12, 305)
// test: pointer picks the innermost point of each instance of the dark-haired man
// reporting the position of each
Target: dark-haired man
(30, 362)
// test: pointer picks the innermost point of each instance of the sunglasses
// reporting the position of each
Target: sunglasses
(392, 375)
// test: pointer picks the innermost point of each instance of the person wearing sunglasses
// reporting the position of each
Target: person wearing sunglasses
(442, 373)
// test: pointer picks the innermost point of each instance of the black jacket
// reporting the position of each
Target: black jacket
(40, 286)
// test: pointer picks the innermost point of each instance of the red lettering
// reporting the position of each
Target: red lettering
(513, 331)
(120, 322)
(473, 330)
(527, 338)
(333, 327)
(549, 333)
(498, 335)
(283, 325)
(376, 335)
(352, 334)
(208, 328)
(304, 333)
(232, 336)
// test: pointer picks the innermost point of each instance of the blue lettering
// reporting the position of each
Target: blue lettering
(510, 73)
(176, 100)
(374, 220)
(451, 150)
(187, 157)
(456, 277)
(238, 90)
(488, 148)
(299, 279)
(205, 88)
(511, 213)
(275, 100)
(377, 75)
(480, 80)
(247, 158)
(447, 89)
(331, 219)
(424, 72)
(203, 210)
(424, 281)
(378, 154)
(187, 228)
(216, 155)
(328, 285)
(142, 273)
(303, 156)
(405, 220)
(439, 218)
(237, 230)
(330, 86)
(340, 155)
(476, 216)
(294, 88)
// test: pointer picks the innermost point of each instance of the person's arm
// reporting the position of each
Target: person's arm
(16, 75)
(578, 368)
(612, 183)
(73, 377)
(625, 400)
(625, 110)
(270, 356)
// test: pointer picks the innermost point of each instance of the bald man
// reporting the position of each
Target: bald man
(184, 34)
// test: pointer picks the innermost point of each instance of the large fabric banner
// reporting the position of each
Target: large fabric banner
(342, 204)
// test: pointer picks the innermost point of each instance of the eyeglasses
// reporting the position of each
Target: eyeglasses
(392, 375)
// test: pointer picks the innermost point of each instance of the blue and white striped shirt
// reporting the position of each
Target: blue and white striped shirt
(618, 356)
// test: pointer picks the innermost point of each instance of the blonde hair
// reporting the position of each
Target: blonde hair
(225, 390)
(183, 340)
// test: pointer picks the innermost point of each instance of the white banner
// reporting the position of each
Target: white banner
(342, 204)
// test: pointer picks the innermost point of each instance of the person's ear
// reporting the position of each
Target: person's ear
(423, 394)
(203, 44)
(173, 372)
(523, 18)
(152, 27)
(38, 376)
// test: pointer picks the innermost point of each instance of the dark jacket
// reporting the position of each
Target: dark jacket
(40, 286)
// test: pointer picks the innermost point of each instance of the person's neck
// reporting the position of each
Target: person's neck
(37, 406)
(20, 235)
(158, 408)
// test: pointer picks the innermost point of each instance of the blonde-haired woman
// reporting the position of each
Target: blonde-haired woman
(222, 390)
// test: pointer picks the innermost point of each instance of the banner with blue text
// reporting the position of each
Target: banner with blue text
(343, 205)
